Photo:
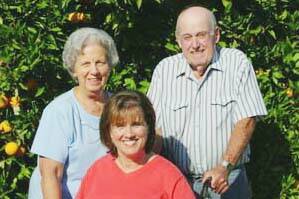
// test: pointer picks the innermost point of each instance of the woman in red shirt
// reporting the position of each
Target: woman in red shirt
(131, 170)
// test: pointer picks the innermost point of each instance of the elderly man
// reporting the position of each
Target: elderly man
(207, 100)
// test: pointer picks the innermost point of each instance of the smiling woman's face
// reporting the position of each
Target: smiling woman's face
(92, 69)
(129, 134)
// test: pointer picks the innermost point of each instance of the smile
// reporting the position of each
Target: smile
(130, 142)
(95, 80)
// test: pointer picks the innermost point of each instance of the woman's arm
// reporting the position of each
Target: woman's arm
(51, 174)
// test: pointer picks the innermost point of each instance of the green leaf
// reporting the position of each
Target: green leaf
(56, 29)
(32, 30)
(108, 18)
(130, 83)
(272, 33)
(144, 86)
(42, 4)
(172, 47)
(296, 57)
(278, 75)
(222, 44)
(138, 3)
(39, 92)
(227, 4)
(283, 15)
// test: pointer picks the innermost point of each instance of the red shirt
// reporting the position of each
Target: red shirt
(157, 179)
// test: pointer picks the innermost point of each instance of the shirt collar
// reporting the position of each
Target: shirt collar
(216, 63)
(183, 66)
(185, 69)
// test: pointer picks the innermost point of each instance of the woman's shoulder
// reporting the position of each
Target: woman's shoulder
(62, 102)
(101, 163)
(167, 165)
(63, 99)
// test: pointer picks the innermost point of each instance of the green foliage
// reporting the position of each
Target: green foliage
(33, 32)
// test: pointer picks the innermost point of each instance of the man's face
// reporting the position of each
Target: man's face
(197, 38)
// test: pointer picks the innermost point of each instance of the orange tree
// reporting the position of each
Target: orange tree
(32, 35)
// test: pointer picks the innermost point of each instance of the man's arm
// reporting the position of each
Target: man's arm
(239, 139)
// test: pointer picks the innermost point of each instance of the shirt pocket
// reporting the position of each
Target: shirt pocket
(222, 101)
(178, 117)
(222, 111)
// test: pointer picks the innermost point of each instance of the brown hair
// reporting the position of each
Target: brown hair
(121, 103)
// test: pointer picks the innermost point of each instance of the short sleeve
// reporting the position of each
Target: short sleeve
(155, 94)
(249, 100)
(182, 189)
(51, 140)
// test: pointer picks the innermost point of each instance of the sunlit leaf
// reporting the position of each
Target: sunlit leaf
(227, 4)
(138, 3)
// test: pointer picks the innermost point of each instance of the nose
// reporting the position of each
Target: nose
(195, 42)
(94, 69)
(128, 131)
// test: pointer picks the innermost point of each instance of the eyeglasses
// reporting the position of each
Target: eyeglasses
(204, 193)
(200, 36)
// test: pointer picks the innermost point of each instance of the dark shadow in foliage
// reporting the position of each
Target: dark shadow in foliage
(270, 161)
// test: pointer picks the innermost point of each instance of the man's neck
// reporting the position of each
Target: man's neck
(199, 71)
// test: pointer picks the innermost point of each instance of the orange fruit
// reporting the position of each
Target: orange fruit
(15, 101)
(76, 17)
(71, 16)
(21, 151)
(11, 148)
(3, 101)
(289, 92)
(5, 126)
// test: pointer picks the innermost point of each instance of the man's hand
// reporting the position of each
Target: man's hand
(219, 177)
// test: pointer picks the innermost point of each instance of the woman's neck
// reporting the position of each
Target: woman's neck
(92, 102)
(131, 164)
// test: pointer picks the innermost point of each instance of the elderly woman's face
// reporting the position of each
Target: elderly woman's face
(92, 69)
(129, 136)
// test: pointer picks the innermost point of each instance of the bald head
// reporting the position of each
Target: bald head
(198, 14)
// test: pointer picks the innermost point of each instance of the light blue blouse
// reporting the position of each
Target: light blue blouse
(70, 135)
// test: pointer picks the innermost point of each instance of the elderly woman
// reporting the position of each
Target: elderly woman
(131, 170)
(67, 140)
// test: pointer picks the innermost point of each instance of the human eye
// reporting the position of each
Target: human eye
(187, 37)
(202, 35)
(100, 62)
(85, 64)
(138, 124)
(119, 124)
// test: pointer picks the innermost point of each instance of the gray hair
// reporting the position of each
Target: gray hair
(80, 38)
(212, 18)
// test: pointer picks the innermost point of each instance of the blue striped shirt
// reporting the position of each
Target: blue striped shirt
(197, 117)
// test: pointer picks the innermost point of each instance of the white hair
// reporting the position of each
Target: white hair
(80, 38)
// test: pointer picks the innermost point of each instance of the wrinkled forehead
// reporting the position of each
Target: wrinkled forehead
(127, 115)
